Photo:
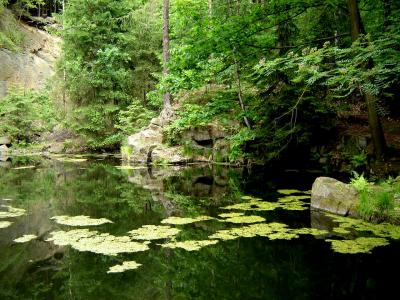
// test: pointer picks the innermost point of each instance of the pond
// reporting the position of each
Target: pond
(92, 228)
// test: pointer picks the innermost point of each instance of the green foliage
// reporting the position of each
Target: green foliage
(11, 36)
(360, 183)
(359, 160)
(109, 57)
(133, 118)
(201, 109)
(26, 114)
(378, 201)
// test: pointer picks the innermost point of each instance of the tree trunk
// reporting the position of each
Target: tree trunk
(375, 125)
(167, 95)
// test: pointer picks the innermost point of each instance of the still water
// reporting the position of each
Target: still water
(280, 264)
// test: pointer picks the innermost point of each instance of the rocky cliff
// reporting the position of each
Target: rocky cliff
(32, 63)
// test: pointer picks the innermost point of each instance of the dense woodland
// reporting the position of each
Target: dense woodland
(279, 75)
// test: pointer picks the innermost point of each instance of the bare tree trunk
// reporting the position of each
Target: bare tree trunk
(375, 125)
(167, 95)
(239, 91)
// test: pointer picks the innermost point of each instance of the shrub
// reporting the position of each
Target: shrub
(26, 114)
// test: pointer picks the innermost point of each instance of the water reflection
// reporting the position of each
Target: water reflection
(136, 197)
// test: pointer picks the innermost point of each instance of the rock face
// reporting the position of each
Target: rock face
(147, 145)
(334, 196)
(31, 66)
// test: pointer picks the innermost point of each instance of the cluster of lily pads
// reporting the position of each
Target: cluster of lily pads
(138, 240)
(13, 212)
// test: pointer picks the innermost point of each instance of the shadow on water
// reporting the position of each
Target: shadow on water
(244, 268)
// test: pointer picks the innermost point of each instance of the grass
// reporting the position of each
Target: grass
(378, 201)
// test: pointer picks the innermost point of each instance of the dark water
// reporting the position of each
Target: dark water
(245, 268)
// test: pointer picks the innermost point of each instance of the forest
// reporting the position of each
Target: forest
(277, 77)
(199, 149)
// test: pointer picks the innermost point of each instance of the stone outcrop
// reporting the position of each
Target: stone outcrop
(147, 145)
(203, 143)
(331, 195)
(32, 65)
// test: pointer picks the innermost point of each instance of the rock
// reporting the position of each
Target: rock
(221, 150)
(334, 196)
(171, 155)
(31, 66)
(5, 140)
(57, 147)
(142, 142)
(3, 148)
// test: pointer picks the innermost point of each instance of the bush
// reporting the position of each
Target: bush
(26, 114)
(378, 201)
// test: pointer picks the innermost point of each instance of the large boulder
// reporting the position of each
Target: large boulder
(334, 196)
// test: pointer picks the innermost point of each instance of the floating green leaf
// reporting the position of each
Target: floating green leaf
(384, 230)
(79, 220)
(287, 203)
(126, 265)
(71, 159)
(92, 241)
(231, 215)
(189, 245)
(153, 232)
(246, 197)
(4, 224)
(25, 238)
(245, 219)
(23, 167)
(253, 230)
(359, 245)
(11, 212)
(311, 231)
(289, 192)
(182, 221)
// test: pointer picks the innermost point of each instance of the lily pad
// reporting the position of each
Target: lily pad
(79, 220)
(153, 232)
(190, 245)
(182, 221)
(25, 238)
(384, 230)
(24, 167)
(359, 245)
(287, 203)
(92, 241)
(231, 215)
(71, 159)
(311, 231)
(261, 229)
(245, 219)
(289, 191)
(126, 265)
(11, 212)
(4, 224)
(246, 197)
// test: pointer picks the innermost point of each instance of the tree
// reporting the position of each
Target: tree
(378, 137)
(167, 109)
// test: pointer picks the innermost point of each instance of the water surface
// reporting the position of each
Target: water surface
(244, 268)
